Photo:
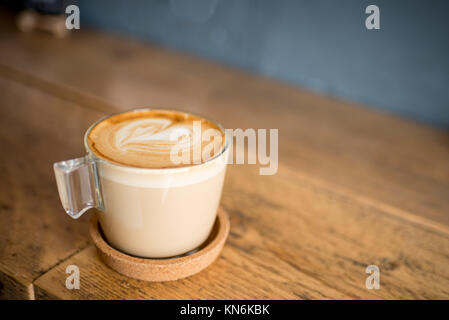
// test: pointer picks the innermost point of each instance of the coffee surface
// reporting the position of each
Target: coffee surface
(149, 138)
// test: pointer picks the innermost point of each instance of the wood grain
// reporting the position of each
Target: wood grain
(354, 187)
(301, 242)
(36, 129)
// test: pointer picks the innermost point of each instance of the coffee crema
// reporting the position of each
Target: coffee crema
(146, 138)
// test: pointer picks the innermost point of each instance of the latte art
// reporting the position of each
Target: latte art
(149, 135)
(147, 139)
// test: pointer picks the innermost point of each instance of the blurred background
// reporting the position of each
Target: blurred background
(320, 45)
(363, 119)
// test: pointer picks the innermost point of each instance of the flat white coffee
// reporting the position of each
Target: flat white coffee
(152, 207)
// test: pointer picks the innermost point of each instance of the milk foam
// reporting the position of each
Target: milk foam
(144, 139)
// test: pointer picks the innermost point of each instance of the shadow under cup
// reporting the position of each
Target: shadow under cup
(150, 213)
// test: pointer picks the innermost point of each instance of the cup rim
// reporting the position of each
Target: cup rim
(169, 169)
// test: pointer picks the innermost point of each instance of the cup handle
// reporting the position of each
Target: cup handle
(78, 185)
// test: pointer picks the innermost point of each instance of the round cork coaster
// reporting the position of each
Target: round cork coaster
(163, 269)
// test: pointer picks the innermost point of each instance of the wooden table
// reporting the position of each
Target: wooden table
(355, 187)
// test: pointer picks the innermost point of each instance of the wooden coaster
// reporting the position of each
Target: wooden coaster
(163, 269)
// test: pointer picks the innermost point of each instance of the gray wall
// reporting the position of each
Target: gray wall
(321, 45)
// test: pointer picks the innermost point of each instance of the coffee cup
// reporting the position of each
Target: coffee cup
(155, 199)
